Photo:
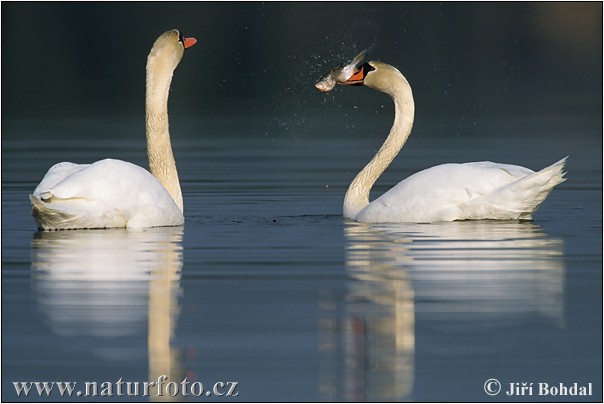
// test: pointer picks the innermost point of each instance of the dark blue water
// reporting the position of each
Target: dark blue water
(267, 286)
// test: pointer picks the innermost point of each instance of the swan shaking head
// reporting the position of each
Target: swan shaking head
(389, 80)
(448, 192)
(379, 76)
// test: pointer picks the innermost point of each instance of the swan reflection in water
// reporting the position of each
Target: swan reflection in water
(454, 277)
(110, 284)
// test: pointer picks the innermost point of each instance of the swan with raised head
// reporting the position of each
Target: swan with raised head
(115, 193)
(447, 192)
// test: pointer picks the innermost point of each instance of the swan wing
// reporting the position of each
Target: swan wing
(108, 193)
(480, 190)
(55, 175)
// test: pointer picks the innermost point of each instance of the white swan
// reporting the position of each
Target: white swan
(114, 193)
(447, 192)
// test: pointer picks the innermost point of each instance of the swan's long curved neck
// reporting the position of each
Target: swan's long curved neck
(159, 147)
(357, 196)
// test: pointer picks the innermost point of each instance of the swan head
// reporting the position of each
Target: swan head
(377, 75)
(167, 51)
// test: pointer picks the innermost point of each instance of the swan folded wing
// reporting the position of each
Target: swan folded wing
(437, 193)
(55, 175)
(112, 192)
(105, 179)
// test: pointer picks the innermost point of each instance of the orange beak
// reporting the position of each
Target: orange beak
(357, 77)
(188, 42)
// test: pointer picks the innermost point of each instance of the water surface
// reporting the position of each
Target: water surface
(268, 286)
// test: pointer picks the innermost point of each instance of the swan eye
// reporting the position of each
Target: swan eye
(367, 68)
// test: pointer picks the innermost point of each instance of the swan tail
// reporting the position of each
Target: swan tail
(538, 186)
(519, 199)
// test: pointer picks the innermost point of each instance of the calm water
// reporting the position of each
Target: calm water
(266, 285)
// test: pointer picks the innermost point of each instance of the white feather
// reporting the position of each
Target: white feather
(467, 191)
(82, 198)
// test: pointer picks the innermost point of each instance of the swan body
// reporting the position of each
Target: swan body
(115, 193)
(469, 191)
(447, 192)
(76, 196)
